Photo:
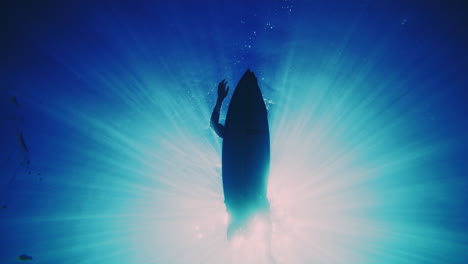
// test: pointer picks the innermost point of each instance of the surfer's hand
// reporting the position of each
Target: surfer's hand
(222, 89)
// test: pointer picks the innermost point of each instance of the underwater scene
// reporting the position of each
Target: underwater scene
(273, 131)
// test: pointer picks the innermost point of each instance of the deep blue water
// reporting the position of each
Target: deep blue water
(107, 155)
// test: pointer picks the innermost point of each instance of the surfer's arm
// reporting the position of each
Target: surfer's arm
(222, 93)
(217, 127)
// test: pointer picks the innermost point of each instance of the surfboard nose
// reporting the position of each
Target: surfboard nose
(248, 79)
(248, 75)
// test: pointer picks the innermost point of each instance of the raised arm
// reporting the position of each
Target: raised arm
(222, 93)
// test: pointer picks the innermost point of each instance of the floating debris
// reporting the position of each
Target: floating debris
(24, 257)
(21, 140)
(23, 147)
(15, 102)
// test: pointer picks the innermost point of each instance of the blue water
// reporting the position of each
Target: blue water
(107, 155)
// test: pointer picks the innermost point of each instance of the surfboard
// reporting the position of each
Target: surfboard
(246, 149)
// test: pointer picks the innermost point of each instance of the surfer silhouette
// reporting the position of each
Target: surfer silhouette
(245, 153)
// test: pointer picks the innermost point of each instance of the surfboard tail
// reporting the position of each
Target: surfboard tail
(240, 218)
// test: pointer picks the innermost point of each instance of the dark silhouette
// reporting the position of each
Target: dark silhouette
(24, 257)
(246, 151)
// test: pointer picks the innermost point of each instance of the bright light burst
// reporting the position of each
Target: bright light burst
(365, 164)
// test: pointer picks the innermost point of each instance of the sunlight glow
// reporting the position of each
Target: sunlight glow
(368, 135)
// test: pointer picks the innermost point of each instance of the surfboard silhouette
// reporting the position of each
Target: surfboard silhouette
(245, 154)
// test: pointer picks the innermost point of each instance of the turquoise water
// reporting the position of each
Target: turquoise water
(108, 155)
